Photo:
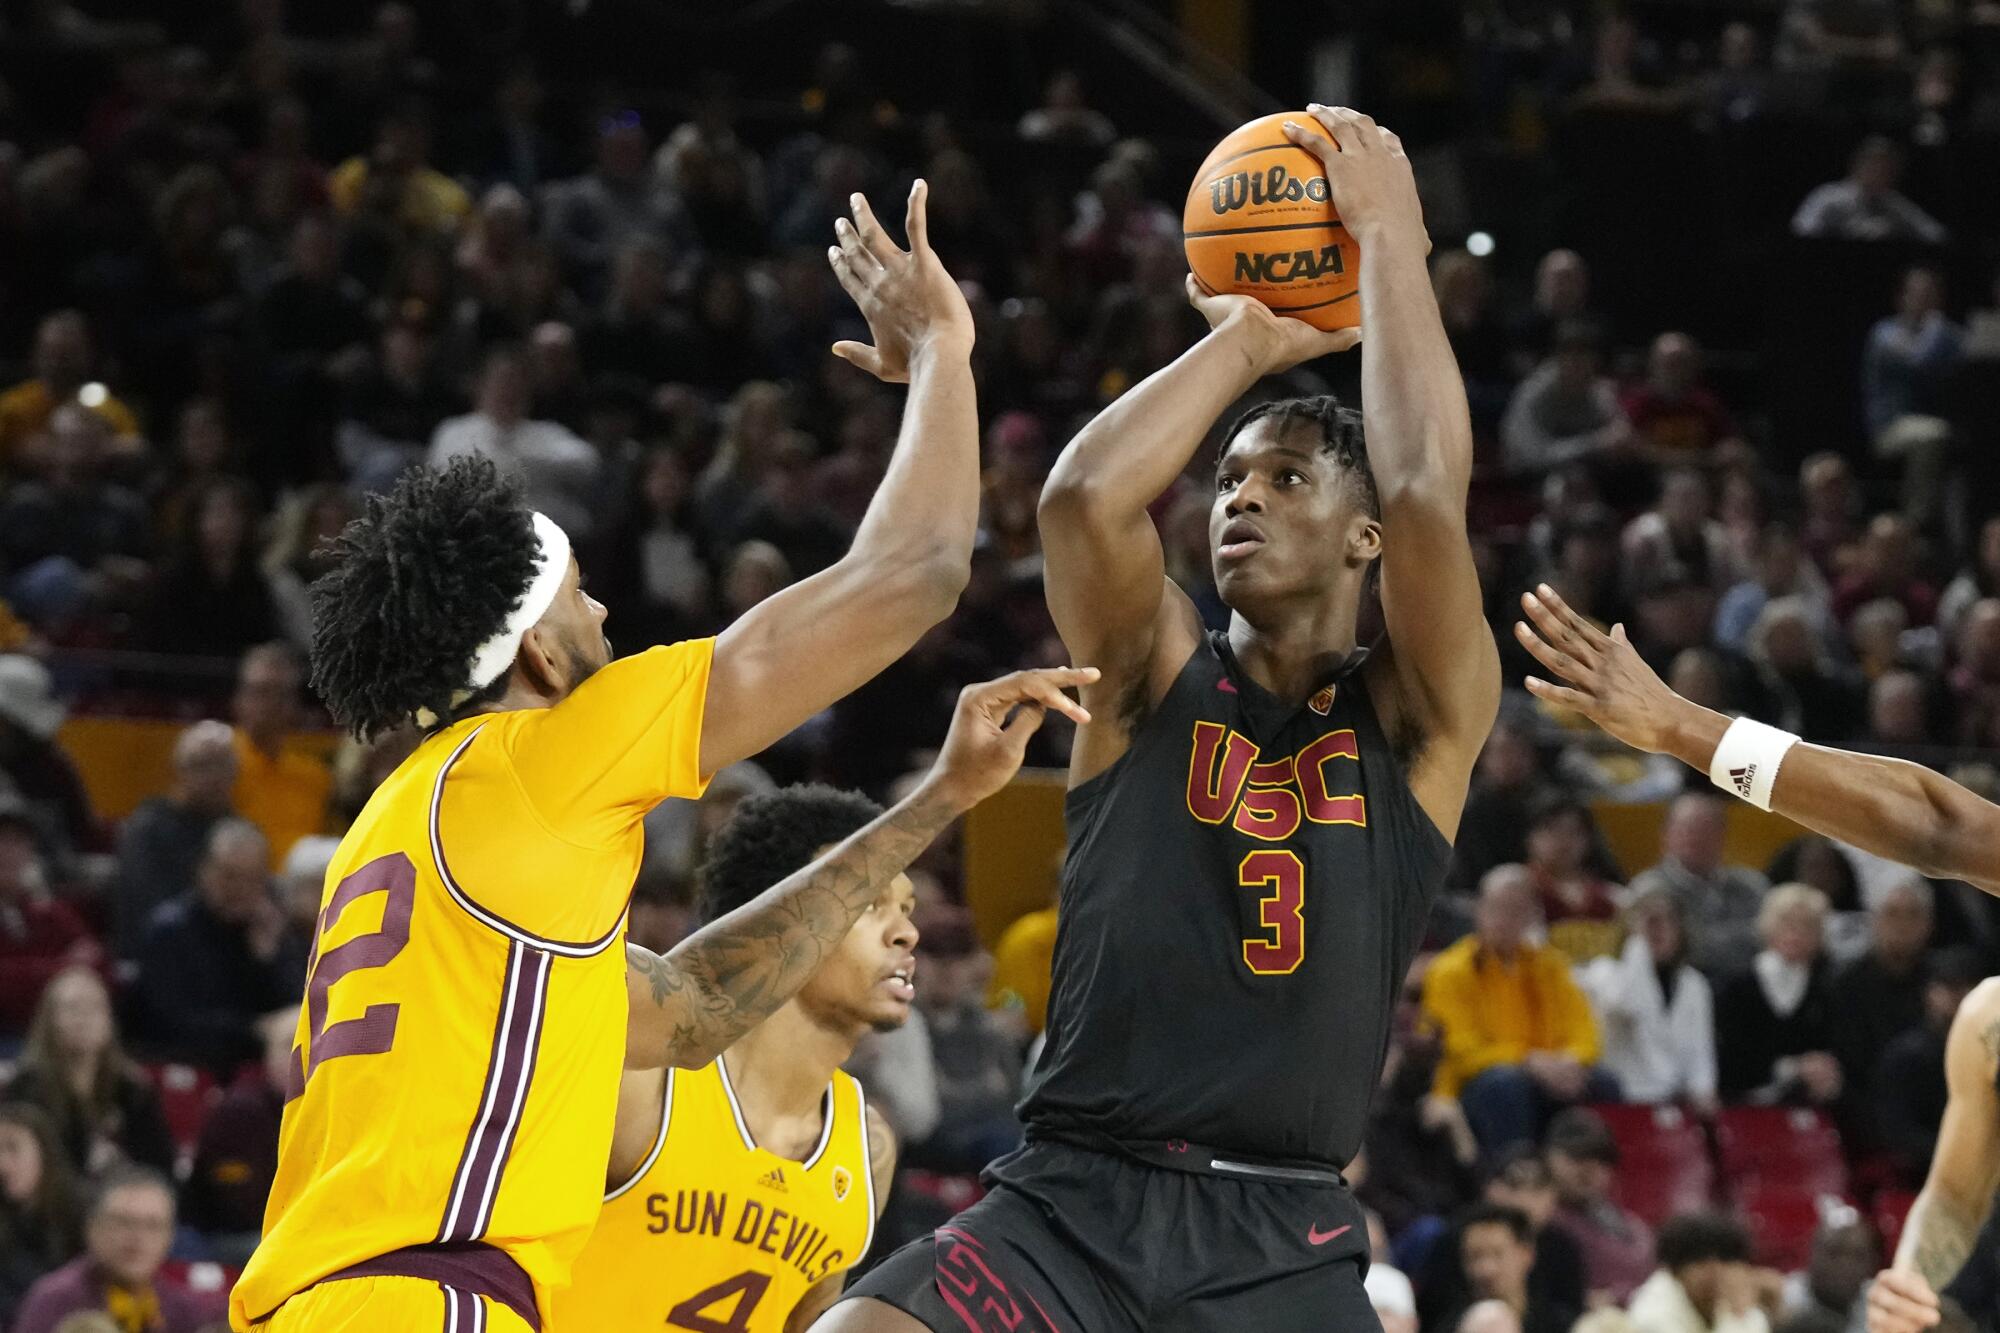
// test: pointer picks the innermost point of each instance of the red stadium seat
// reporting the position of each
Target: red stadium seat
(1782, 1222)
(186, 1094)
(1664, 1166)
(1794, 1148)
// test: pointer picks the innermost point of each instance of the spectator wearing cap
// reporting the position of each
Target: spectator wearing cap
(31, 762)
(279, 787)
(39, 935)
(1617, 1247)
(1518, 1180)
(163, 840)
(1705, 1283)
(128, 1228)
(1566, 411)
(1579, 906)
(63, 364)
(1518, 1035)
(1496, 1253)
(1865, 205)
(978, 1065)
(1655, 1010)
(1775, 1025)
(219, 955)
(1718, 901)
(1909, 1079)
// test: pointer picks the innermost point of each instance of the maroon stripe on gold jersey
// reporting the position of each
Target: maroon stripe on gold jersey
(510, 1068)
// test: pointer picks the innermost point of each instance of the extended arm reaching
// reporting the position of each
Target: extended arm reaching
(689, 1006)
(1890, 807)
(815, 642)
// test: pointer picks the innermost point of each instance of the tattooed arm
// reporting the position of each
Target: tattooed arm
(1944, 1222)
(689, 1006)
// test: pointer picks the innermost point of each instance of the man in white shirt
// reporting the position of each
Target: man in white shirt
(558, 470)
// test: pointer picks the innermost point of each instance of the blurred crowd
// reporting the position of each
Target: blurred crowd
(252, 269)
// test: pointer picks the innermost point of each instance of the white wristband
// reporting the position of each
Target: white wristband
(1746, 762)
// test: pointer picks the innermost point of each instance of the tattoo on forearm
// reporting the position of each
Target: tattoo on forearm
(1945, 1237)
(1990, 1039)
(735, 972)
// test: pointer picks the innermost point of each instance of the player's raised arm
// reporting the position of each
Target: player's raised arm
(1890, 807)
(1441, 656)
(1106, 573)
(689, 1006)
(1944, 1223)
(818, 640)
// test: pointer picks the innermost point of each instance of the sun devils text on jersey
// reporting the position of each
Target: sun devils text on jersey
(463, 1032)
(713, 1232)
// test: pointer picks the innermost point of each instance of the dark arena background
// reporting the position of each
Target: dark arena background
(1722, 278)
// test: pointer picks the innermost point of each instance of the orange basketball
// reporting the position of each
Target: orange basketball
(1259, 221)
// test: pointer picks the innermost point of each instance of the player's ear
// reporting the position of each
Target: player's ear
(539, 658)
(1364, 542)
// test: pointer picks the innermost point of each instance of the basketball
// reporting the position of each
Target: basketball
(1259, 221)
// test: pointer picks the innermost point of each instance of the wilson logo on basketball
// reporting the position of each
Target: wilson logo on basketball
(1226, 194)
(1282, 266)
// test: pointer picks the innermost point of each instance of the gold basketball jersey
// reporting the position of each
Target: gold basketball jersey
(463, 1031)
(713, 1233)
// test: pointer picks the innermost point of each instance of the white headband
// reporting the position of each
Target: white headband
(491, 659)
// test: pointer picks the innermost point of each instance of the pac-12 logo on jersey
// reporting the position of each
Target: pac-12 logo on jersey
(1271, 801)
(843, 1181)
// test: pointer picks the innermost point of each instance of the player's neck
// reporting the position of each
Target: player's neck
(1290, 650)
(780, 1068)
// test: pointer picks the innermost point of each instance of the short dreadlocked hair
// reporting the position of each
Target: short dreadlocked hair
(424, 576)
(1339, 430)
(773, 834)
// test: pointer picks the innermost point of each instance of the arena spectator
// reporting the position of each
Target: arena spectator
(128, 1228)
(1978, 580)
(1800, 683)
(638, 331)
(1065, 117)
(1465, 293)
(40, 1225)
(1422, 1155)
(1865, 205)
(1021, 966)
(1775, 1026)
(71, 539)
(1579, 906)
(74, 1069)
(1704, 1283)
(1832, 510)
(1519, 1180)
(1518, 1035)
(978, 1067)
(212, 598)
(64, 360)
(1974, 680)
(1561, 296)
(216, 957)
(1489, 1317)
(1908, 366)
(1496, 1253)
(1506, 781)
(1881, 994)
(40, 934)
(1681, 529)
(397, 181)
(786, 513)
(1718, 901)
(1909, 1080)
(33, 766)
(236, 1157)
(1617, 1247)
(1844, 1256)
(162, 841)
(1898, 711)
(280, 789)
(390, 411)
(1780, 569)
(1566, 410)
(1676, 415)
(558, 470)
(1655, 1010)
(1393, 1298)
(1879, 637)
(295, 556)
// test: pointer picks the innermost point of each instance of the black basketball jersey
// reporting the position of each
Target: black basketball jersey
(1244, 890)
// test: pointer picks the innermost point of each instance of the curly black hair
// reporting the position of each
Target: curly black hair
(773, 834)
(425, 575)
(1340, 435)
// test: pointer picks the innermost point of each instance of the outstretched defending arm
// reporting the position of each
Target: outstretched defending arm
(818, 640)
(691, 1005)
(1890, 807)
(1441, 660)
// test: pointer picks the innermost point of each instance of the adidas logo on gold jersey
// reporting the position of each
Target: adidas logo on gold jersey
(775, 1179)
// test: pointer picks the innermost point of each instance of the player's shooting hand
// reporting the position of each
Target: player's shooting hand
(908, 299)
(991, 726)
(1609, 682)
(1900, 1301)
(1273, 342)
(1374, 189)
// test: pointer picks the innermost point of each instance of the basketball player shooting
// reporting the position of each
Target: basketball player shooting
(1891, 807)
(466, 1009)
(1258, 821)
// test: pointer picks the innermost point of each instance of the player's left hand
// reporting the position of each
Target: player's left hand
(992, 724)
(1273, 342)
(1374, 189)
(1900, 1301)
(1609, 682)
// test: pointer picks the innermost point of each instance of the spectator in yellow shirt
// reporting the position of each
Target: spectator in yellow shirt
(1519, 1039)
(279, 788)
(396, 180)
(63, 362)
(1021, 964)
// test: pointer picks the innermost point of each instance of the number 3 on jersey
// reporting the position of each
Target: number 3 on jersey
(1281, 910)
